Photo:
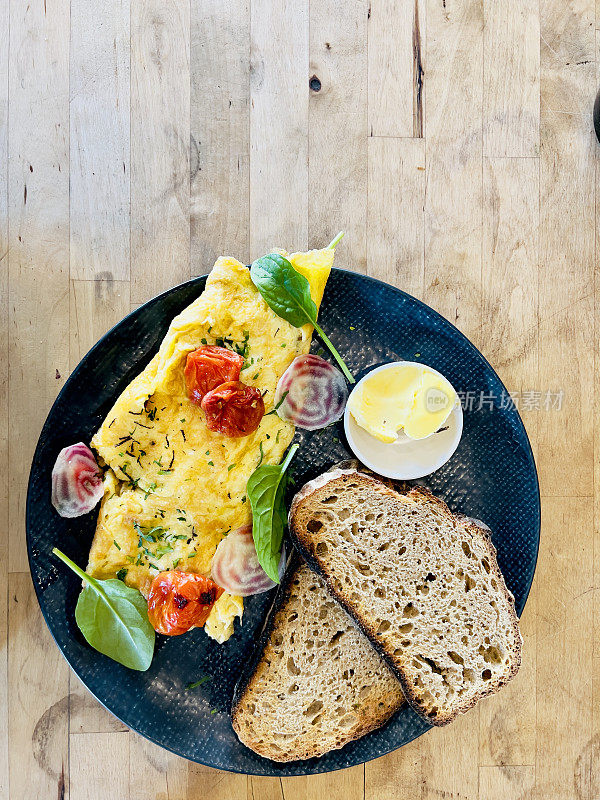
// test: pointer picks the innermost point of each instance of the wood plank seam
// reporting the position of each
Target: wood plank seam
(418, 75)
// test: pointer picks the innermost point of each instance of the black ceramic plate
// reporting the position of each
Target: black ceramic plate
(492, 477)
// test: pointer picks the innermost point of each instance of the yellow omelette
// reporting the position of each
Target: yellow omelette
(174, 489)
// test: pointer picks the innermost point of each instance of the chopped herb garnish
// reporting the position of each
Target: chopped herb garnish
(211, 464)
(198, 683)
(214, 711)
(254, 377)
(283, 344)
(148, 534)
(183, 434)
(182, 419)
(112, 423)
(164, 471)
(241, 348)
(230, 467)
(133, 481)
(352, 328)
(278, 404)
(244, 499)
(149, 490)
(176, 562)
(203, 341)
(277, 437)
(192, 554)
(167, 444)
(172, 460)
(207, 453)
(116, 544)
(262, 455)
(121, 574)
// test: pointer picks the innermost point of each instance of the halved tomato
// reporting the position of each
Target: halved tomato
(209, 367)
(233, 409)
(180, 600)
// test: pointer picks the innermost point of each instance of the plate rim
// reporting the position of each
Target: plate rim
(140, 310)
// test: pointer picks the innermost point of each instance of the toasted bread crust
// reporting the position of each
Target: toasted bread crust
(259, 734)
(300, 516)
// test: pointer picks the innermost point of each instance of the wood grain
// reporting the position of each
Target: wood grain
(155, 773)
(397, 775)
(452, 141)
(337, 129)
(347, 784)
(206, 782)
(99, 139)
(564, 648)
(396, 225)
(4, 412)
(509, 338)
(396, 68)
(38, 699)
(509, 332)
(278, 149)
(38, 262)
(453, 152)
(160, 151)
(220, 132)
(95, 306)
(505, 783)
(567, 161)
(511, 86)
(100, 766)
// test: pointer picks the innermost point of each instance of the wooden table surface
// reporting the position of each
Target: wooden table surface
(452, 140)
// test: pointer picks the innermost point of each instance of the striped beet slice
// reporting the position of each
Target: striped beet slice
(311, 393)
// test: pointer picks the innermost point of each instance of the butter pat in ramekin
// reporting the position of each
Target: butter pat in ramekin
(403, 420)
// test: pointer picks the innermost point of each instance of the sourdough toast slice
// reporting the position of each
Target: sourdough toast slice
(424, 585)
(317, 684)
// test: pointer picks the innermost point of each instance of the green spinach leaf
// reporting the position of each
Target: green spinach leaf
(113, 618)
(266, 490)
(287, 293)
(284, 289)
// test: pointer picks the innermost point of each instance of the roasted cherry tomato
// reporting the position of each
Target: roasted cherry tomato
(180, 600)
(233, 409)
(209, 367)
